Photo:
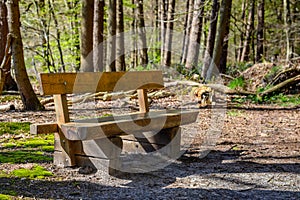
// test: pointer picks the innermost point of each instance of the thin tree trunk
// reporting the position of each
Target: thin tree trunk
(169, 34)
(87, 35)
(142, 40)
(240, 47)
(260, 31)
(98, 49)
(163, 24)
(187, 30)
(287, 24)
(28, 96)
(224, 18)
(120, 48)
(249, 33)
(211, 37)
(195, 35)
(58, 39)
(112, 29)
(223, 61)
(133, 39)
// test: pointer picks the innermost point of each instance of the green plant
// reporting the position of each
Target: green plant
(14, 127)
(237, 83)
(5, 197)
(37, 172)
(234, 113)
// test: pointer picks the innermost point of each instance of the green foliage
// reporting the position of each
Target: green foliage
(5, 197)
(37, 172)
(8, 98)
(234, 113)
(24, 156)
(237, 83)
(14, 128)
(235, 68)
(18, 146)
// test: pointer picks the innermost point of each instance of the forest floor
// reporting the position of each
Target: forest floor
(257, 156)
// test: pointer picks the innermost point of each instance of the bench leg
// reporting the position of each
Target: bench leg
(65, 150)
(166, 142)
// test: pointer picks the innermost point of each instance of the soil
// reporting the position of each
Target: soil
(256, 156)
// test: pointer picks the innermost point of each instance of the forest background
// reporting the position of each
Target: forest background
(59, 36)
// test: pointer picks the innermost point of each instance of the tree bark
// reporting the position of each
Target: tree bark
(169, 34)
(98, 49)
(249, 33)
(260, 31)
(112, 29)
(224, 18)
(211, 37)
(223, 61)
(142, 41)
(28, 96)
(195, 36)
(87, 35)
(187, 29)
(287, 24)
(120, 46)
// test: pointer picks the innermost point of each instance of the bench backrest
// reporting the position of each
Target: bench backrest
(61, 84)
(68, 83)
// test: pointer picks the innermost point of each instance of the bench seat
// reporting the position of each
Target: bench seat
(98, 128)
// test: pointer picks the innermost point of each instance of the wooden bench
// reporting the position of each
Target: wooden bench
(100, 142)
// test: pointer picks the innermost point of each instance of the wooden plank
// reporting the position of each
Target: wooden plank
(61, 109)
(67, 83)
(43, 128)
(143, 100)
(129, 124)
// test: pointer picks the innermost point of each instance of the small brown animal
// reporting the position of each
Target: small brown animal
(204, 95)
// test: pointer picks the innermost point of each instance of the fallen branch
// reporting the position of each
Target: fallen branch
(281, 85)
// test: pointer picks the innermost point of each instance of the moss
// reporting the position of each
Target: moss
(14, 128)
(37, 172)
(24, 156)
(5, 197)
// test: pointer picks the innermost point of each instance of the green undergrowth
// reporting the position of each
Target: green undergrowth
(37, 172)
(18, 146)
(277, 99)
(5, 197)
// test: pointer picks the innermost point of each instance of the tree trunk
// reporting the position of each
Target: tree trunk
(163, 25)
(224, 18)
(133, 39)
(240, 47)
(186, 29)
(98, 49)
(120, 46)
(287, 24)
(112, 29)
(249, 33)
(211, 37)
(195, 35)
(142, 40)
(4, 28)
(260, 31)
(28, 96)
(169, 34)
(87, 35)
(223, 61)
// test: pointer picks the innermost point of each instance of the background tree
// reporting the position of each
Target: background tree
(98, 35)
(120, 48)
(225, 11)
(169, 34)
(142, 40)
(87, 35)
(260, 31)
(211, 37)
(195, 35)
(28, 96)
(112, 30)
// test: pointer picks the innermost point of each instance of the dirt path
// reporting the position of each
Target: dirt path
(257, 156)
